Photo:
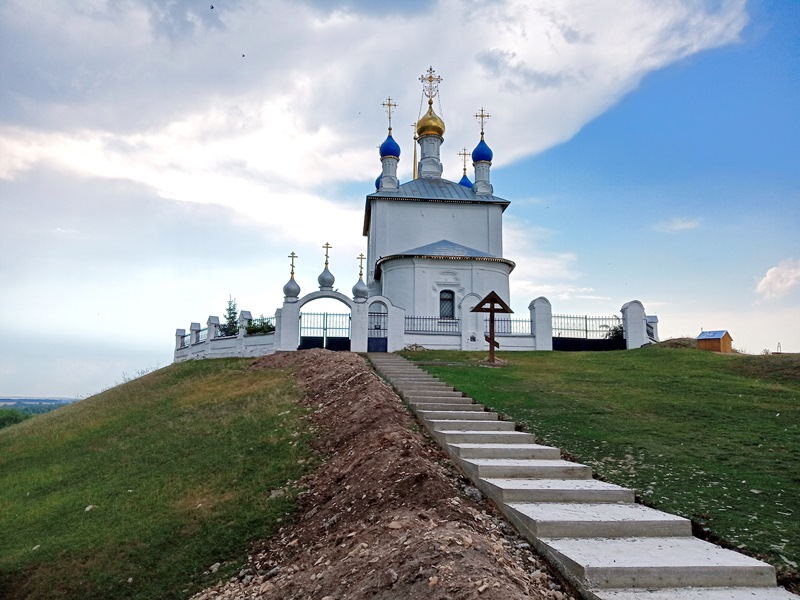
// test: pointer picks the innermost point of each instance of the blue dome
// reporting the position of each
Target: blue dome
(390, 147)
(465, 181)
(378, 182)
(482, 152)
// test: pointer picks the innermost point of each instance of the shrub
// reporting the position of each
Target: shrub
(259, 325)
(10, 416)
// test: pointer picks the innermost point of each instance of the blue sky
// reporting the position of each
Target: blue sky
(157, 158)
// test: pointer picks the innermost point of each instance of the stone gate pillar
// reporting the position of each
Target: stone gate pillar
(541, 323)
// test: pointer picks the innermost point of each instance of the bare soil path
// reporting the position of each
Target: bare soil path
(386, 515)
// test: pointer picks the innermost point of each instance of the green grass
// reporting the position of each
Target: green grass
(178, 467)
(711, 437)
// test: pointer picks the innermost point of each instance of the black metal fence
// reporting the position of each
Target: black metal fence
(584, 326)
(416, 324)
(504, 326)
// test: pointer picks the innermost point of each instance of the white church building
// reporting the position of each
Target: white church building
(434, 251)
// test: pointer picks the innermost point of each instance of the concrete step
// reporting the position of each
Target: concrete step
(427, 393)
(526, 468)
(447, 406)
(652, 562)
(738, 593)
(440, 399)
(555, 490)
(410, 388)
(485, 437)
(593, 520)
(469, 425)
(532, 451)
(469, 415)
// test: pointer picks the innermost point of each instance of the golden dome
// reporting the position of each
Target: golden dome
(430, 123)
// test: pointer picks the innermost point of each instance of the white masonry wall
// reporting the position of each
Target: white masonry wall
(415, 283)
(397, 226)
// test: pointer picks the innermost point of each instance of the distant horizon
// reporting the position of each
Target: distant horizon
(10, 399)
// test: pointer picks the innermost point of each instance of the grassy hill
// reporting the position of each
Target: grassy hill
(136, 492)
(712, 437)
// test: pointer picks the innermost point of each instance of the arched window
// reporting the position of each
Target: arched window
(447, 304)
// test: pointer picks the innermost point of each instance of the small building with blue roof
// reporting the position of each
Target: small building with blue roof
(715, 341)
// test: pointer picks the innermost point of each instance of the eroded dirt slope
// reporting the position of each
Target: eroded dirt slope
(386, 516)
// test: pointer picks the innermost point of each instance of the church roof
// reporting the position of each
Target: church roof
(431, 190)
(443, 250)
(437, 189)
(446, 248)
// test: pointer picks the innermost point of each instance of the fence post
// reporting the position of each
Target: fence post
(244, 321)
(634, 325)
(194, 331)
(179, 333)
(213, 327)
(541, 323)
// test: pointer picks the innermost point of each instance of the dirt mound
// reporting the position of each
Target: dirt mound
(689, 343)
(386, 516)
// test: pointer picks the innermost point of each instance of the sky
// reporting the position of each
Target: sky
(158, 157)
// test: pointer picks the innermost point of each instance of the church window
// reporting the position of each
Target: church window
(447, 304)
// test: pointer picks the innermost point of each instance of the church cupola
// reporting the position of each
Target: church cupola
(430, 131)
(390, 155)
(326, 278)
(482, 160)
(291, 291)
(360, 289)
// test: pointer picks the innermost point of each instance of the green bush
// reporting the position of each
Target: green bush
(11, 416)
(259, 325)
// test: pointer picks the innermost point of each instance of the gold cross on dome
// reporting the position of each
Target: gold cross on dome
(360, 259)
(482, 116)
(464, 154)
(430, 84)
(327, 247)
(389, 106)
(293, 256)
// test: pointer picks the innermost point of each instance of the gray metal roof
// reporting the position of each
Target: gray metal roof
(443, 250)
(446, 248)
(436, 189)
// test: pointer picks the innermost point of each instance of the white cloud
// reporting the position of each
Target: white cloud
(780, 280)
(303, 114)
(677, 225)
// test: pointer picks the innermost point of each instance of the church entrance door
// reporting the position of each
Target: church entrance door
(325, 330)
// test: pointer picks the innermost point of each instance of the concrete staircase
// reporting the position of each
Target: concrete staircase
(593, 532)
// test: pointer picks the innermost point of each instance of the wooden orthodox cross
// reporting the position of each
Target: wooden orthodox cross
(492, 304)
